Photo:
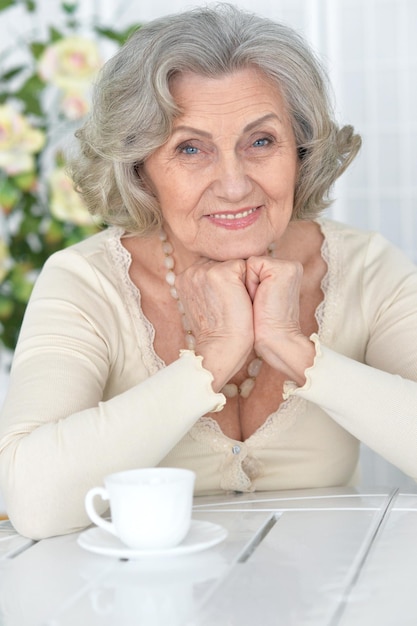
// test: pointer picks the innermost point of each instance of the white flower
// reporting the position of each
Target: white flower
(19, 141)
(70, 63)
(65, 203)
(74, 105)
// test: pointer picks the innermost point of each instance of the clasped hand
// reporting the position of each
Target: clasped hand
(238, 306)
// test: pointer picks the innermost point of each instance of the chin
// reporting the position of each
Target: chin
(238, 253)
(232, 245)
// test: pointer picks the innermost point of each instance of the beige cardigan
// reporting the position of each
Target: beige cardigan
(88, 395)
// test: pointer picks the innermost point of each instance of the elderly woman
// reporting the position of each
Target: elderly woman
(218, 324)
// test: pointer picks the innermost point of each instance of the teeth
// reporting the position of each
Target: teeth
(233, 216)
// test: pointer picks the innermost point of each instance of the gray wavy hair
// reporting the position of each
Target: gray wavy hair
(133, 109)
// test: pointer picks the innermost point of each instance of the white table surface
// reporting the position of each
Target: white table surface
(329, 557)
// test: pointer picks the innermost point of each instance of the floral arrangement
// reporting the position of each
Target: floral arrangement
(42, 101)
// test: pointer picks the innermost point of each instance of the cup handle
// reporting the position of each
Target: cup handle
(91, 511)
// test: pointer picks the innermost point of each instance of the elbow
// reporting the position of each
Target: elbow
(37, 504)
(38, 517)
(39, 525)
(36, 522)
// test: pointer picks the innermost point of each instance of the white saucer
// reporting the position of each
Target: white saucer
(202, 535)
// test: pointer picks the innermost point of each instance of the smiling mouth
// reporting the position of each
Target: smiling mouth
(233, 216)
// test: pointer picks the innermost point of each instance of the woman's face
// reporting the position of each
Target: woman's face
(225, 178)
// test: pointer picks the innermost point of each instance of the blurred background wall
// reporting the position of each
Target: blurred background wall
(370, 52)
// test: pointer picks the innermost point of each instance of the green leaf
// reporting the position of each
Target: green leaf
(5, 4)
(30, 225)
(107, 32)
(30, 92)
(37, 48)
(9, 195)
(22, 287)
(30, 6)
(119, 37)
(54, 34)
(12, 73)
(25, 181)
(69, 8)
(54, 234)
(11, 330)
(6, 307)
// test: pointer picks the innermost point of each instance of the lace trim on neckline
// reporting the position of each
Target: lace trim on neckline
(328, 308)
(285, 415)
(143, 328)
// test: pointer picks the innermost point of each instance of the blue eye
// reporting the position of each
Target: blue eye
(187, 149)
(261, 142)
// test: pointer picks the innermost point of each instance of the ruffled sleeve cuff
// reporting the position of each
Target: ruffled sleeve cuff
(199, 381)
(290, 387)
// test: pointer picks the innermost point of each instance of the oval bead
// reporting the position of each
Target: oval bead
(190, 341)
(170, 278)
(246, 387)
(230, 390)
(254, 367)
(167, 247)
(169, 262)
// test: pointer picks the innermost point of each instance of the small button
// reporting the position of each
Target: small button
(236, 449)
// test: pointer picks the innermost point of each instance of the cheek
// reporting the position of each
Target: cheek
(282, 188)
(177, 204)
(181, 194)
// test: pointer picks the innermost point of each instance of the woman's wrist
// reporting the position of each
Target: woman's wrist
(290, 354)
(223, 362)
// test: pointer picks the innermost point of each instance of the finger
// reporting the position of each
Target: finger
(258, 269)
(252, 281)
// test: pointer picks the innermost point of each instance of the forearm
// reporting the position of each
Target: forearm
(47, 468)
(376, 407)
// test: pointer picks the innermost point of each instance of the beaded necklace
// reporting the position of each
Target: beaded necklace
(230, 390)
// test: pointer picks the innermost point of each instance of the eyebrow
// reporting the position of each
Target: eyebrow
(247, 128)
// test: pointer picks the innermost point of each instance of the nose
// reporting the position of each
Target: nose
(231, 181)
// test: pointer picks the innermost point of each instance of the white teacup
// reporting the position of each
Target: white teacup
(150, 508)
